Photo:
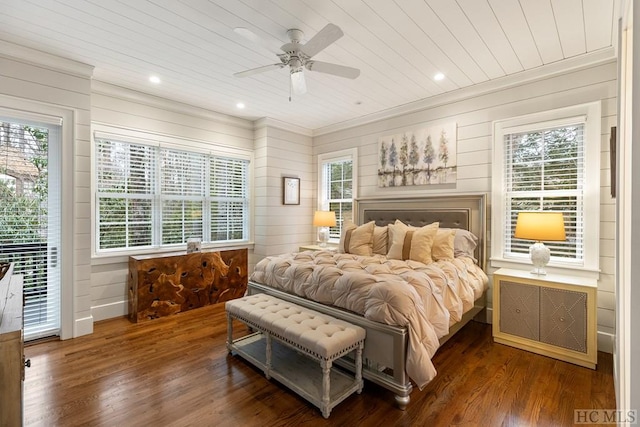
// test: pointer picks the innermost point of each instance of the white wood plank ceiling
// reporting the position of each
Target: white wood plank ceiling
(398, 45)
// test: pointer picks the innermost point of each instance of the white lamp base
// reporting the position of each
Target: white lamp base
(540, 256)
(323, 236)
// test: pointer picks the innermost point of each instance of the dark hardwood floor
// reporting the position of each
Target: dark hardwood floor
(176, 372)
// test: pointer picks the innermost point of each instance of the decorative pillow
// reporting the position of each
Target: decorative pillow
(396, 232)
(411, 242)
(380, 240)
(357, 240)
(443, 244)
(464, 243)
(418, 243)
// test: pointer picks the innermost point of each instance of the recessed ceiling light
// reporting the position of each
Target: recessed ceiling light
(154, 79)
(240, 105)
(438, 76)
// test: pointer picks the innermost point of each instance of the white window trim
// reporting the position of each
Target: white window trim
(591, 112)
(24, 109)
(151, 138)
(336, 156)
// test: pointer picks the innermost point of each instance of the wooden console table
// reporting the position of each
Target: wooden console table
(162, 285)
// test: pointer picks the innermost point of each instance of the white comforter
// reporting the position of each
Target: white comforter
(425, 298)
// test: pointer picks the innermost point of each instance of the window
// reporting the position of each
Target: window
(549, 161)
(337, 187)
(153, 196)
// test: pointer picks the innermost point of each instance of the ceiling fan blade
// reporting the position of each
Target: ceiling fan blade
(262, 69)
(329, 34)
(335, 69)
(270, 45)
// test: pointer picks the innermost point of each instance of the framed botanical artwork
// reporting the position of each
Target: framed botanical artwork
(421, 156)
(290, 191)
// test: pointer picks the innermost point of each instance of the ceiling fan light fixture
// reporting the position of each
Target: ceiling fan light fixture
(297, 82)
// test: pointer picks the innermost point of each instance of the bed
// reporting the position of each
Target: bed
(408, 308)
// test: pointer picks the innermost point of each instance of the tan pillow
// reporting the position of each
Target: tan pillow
(443, 244)
(380, 240)
(418, 243)
(357, 240)
(415, 246)
(396, 232)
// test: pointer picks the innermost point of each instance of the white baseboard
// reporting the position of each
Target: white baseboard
(83, 326)
(109, 311)
(605, 342)
(489, 313)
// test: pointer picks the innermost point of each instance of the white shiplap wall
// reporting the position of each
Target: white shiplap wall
(474, 116)
(280, 152)
(125, 110)
(34, 81)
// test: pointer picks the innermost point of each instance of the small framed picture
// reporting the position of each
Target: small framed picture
(290, 191)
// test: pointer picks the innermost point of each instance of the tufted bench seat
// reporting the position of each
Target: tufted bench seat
(284, 330)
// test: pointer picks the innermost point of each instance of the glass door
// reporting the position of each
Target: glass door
(30, 218)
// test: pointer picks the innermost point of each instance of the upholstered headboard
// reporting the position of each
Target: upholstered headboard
(467, 211)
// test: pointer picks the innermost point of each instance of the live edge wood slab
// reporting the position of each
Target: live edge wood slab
(162, 285)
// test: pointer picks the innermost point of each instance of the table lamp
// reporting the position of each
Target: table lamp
(323, 220)
(539, 226)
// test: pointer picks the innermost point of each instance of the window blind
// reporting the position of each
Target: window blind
(182, 186)
(338, 186)
(229, 208)
(544, 170)
(126, 183)
(30, 219)
(150, 196)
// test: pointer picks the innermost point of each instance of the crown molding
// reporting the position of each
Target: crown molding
(126, 94)
(588, 60)
(15, 51)
(268, 122)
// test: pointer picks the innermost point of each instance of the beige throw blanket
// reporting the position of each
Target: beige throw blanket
(426, 299)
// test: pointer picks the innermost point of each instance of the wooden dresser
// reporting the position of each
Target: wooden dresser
(162, 285)
(11, 350)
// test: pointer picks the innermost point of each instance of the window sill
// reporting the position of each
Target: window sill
(121, 257)
(569, 270)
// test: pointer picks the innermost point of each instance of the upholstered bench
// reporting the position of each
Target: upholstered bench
(284, 331)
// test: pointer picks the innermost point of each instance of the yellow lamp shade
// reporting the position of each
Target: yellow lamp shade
(324, 219)
(540, 226)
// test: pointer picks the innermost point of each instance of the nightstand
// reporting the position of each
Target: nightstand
(552, 315)
(317, 248)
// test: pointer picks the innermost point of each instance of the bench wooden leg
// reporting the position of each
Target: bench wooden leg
(326, 386)
(229, 332)
(359, 368)
(267, 369)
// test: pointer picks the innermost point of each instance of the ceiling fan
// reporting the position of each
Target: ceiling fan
(297, 56)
